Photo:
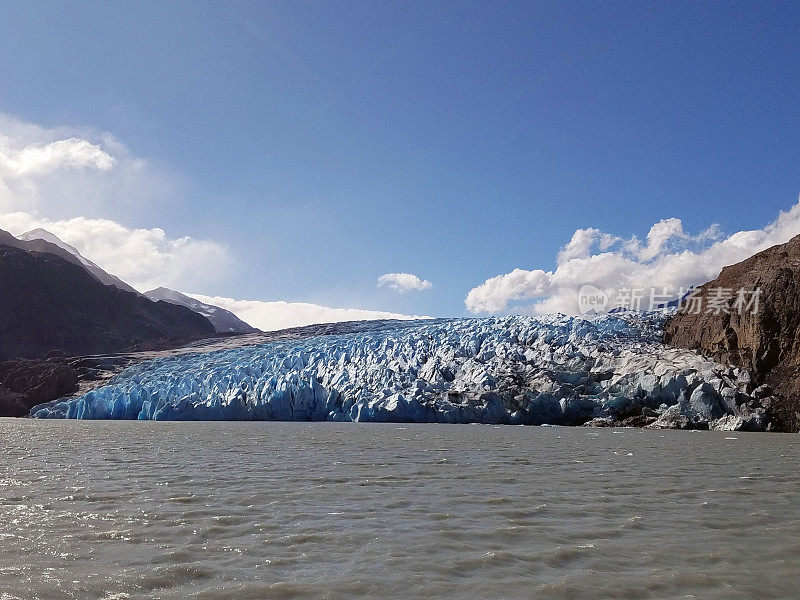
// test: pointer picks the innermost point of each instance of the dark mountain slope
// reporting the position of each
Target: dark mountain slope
(35, 235)
(48, 302)
(38, 245)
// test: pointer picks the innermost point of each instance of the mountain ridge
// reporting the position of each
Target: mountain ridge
(224, 321)
(51, 302)
(101, 275)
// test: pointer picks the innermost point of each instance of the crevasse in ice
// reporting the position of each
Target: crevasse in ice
(519, 370)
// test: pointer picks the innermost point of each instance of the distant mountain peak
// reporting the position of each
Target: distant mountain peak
(101, 275)
(224, 321)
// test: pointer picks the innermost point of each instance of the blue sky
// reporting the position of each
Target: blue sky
(325, 144)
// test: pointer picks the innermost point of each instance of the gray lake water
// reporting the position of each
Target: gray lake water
(327, 510)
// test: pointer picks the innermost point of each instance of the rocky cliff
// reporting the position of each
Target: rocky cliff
(26, 383)
(765, 339)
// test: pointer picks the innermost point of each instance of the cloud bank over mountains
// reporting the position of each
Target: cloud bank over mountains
(144, 258)
(272, 316)
(69, 181)
(668, 258)
(77, 176)
(80, 185)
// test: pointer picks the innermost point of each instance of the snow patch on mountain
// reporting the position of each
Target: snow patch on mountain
(224, 321)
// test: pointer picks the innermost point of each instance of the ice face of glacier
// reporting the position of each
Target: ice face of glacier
(516, 370)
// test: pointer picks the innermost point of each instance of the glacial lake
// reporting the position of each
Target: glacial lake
(115, 510)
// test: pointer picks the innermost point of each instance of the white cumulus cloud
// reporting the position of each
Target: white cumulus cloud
(272, 316)
(81, 186)
(36, 159)
(61, 172)
(69, 182)
(670, 258)
(403, 282)
(144, 258)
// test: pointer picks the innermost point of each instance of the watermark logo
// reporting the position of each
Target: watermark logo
(592, 300)
(713, 300)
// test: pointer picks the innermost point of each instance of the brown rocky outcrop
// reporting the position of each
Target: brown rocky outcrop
(26, 383)
(765, 341)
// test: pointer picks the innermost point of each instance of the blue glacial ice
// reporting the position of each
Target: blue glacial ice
(517, 370)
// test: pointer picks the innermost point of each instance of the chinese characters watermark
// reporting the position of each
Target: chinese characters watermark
(713, 300)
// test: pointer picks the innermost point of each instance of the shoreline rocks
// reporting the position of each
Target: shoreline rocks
(24, 383)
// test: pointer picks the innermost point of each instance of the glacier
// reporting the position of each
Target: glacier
(556, 369)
